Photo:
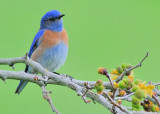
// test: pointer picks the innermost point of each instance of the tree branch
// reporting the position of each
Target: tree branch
(78, 86)
(126, 97)
(48, 98)
(53, 79)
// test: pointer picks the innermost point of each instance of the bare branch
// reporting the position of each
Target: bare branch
(157, 91)
(117, 105)
(48, 98)
(84, 95)
(132, 68)
(156, 99)
(107, 85)
(111, 83)
(21, 76)
(126, 97)
(156, 84)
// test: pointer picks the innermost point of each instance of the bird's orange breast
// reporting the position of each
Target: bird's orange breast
(51, 38)
(48, 40)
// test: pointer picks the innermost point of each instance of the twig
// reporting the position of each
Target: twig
(156, 84)
(126, 97)
(115, 104)
(108, 76)
(107, 85)
(156, 99)
(48, 98)
(84, 95)
(157, 91)
(130, 69)
(87, 87)
(20, 76)
(115, 92)
(85, 100)
(12, 65)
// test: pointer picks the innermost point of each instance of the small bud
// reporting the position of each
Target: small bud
(150, 103)
(85, 83)
(130, 77)
(135, 100)
(127, 81)
(128, 87)
(136, 107)
(122, 85)
(129, 66)
(114, 71)
(154, 108)
(146, 101)
(115, 85)
(119, 69)
(157, 109)
(110, 94)
(124, 66)
(154, 93)
(114, 77)
(88, 101)
(136, 103)
(102, 71)
(99, 82)
(119, 101)
(146, 108)
(132, 84)
(96, 85)
(122, 93)
(140, 94)
(100, 89)
(135, 88)
(147, 105)
(128, 73)
(137, 81)
(99, 86)
(36, 78)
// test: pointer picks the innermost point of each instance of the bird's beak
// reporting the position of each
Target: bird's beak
(60, 16)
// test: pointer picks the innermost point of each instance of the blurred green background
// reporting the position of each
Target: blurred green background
(101, 33)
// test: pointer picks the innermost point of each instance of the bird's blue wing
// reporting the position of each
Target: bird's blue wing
(35, 42)
(34, 45)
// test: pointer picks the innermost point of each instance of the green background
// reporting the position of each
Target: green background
(101, 33)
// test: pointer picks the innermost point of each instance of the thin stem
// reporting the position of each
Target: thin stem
(48, 98)
(132, 68)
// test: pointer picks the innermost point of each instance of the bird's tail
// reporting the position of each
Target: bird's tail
(20, 87)
(22, 83)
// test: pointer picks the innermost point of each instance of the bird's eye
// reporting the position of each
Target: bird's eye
(51, 19)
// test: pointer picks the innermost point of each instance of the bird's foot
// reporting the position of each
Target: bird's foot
(57, 73)
(69, 77)
(64, 75)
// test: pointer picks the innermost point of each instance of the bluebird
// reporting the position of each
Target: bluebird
(49, 46)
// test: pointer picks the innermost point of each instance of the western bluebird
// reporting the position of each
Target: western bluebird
(49, 46)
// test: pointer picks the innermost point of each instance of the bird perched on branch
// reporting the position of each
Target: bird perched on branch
(49, 46)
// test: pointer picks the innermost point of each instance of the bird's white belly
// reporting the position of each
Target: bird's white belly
(53, 58)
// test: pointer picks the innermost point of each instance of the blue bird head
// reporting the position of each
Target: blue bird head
(52, 20)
